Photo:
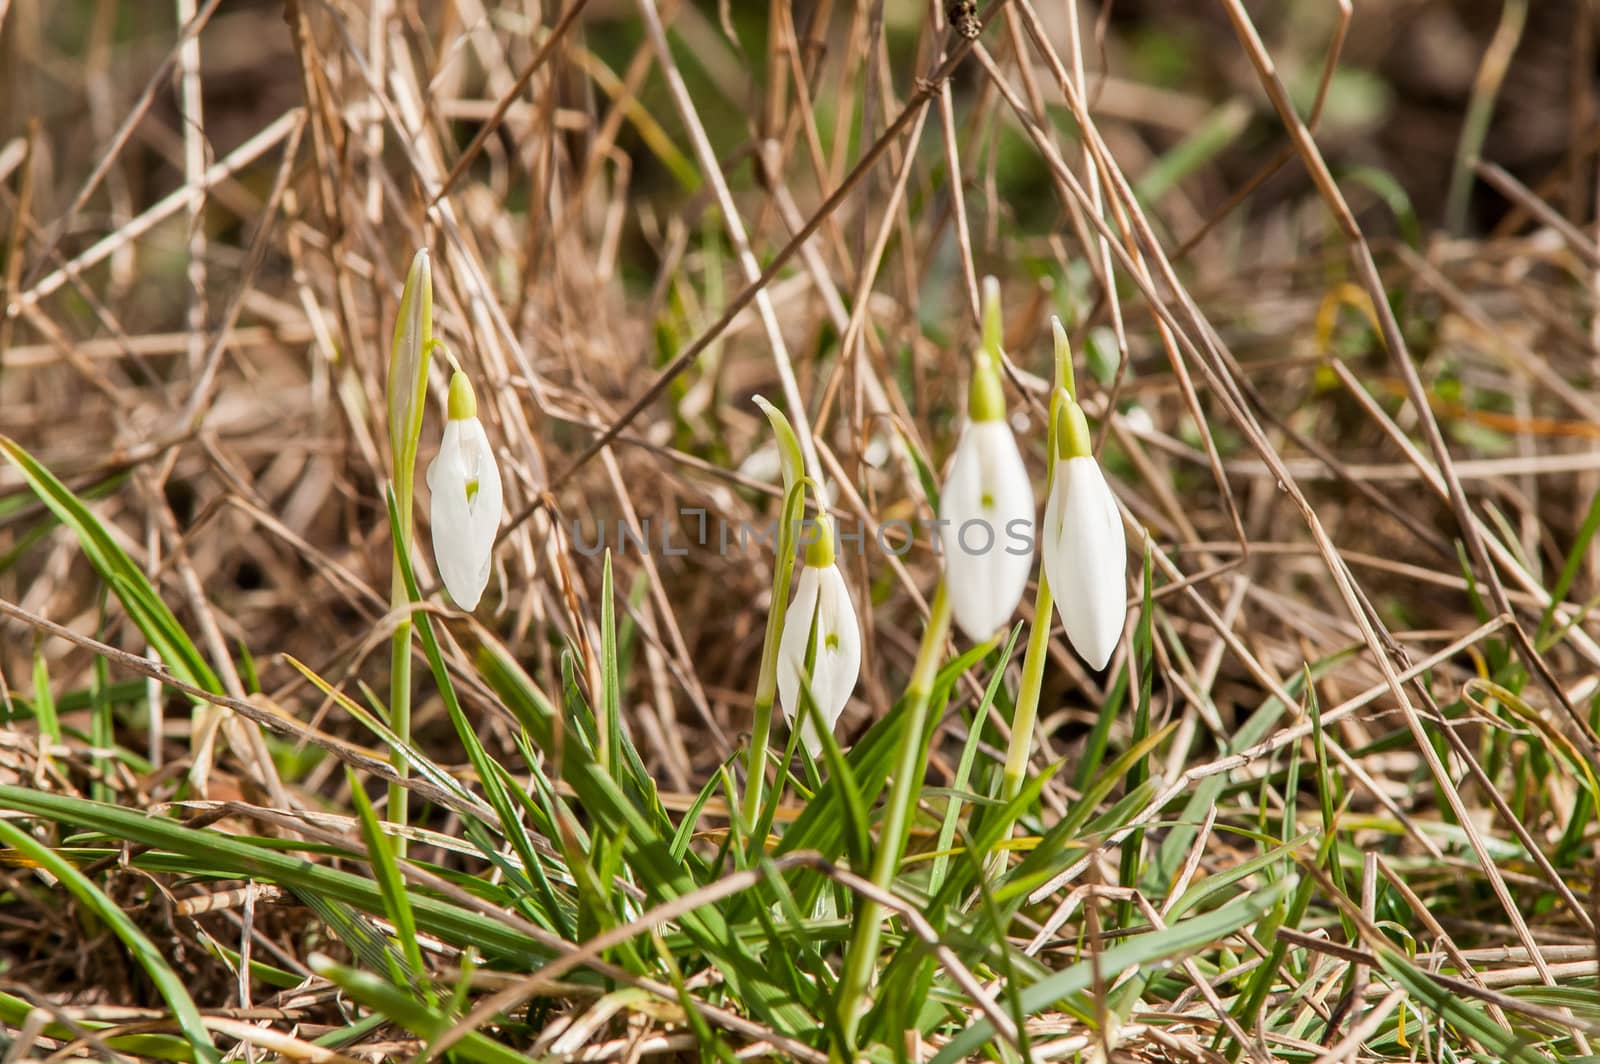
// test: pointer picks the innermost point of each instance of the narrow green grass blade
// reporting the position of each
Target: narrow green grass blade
(1248, 1008)
(858, 837)
(102, 725)
(420, 764)
(1143, 657)
(406, 1011)
(685, 832)
(204, 851)
(1176, 940)
(1329, 798)
(44, 706)
(927, 476)
(904, 980)
(610, 678)
(266, 973)
(553, 913)
(356, 930)
(1080, 812)
(969, 753)
(15, 503)
(14, 1012)
(1456, 1010)
(392, 885)
(647, 833)
(1389, 189)
(820, 826)
(1208, 791)
(340, 1037)
(126, 580)
(120, 693)
(140, 947)
(711, 1043)
(1094, 747)
(510, 825)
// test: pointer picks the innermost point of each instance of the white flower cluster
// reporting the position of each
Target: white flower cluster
(1082, 543)
(819, 653)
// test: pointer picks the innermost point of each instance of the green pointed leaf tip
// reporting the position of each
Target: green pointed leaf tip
(408, 362)
(789, 454)
(993, 323)
(1063, 354)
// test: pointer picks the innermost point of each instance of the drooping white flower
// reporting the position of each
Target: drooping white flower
(986, 528)
(465, 482)
(1085, 551)
(821, 617)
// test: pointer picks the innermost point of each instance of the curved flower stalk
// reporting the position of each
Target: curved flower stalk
(1085, 551)
(1083, 548)
(986, 508)
(465, 483)
(791, 463)
(821, 620)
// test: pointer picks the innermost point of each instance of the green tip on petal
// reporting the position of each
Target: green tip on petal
(820, 551)
(463, 404)
(986, 399)
(1064, 376)
(1071, 427)
(993, 326)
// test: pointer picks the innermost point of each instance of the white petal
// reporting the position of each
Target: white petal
(821, 599)
(464, 528)
(797, 620)
(1086, 558)
(838, 664)
(987, 538)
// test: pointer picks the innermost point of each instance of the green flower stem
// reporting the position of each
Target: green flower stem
(767, 687)
(766, 695)
(756, 770)
(1027, 708)
(1069, 436)
(409, 354)
(909, 767)
(398, 808)
(767, 678)
(789, 451)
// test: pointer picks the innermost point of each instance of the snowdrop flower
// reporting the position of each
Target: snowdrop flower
(465, 483)
(986, 512)
(822, 619)
(1085, 553)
